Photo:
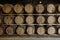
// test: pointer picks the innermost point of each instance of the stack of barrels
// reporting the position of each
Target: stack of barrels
(29, 19)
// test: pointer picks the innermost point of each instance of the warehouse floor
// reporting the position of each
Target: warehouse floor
(30, 38)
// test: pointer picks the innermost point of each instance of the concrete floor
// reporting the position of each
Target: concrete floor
(30, 38)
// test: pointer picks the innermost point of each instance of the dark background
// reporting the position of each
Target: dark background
(28, 1)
